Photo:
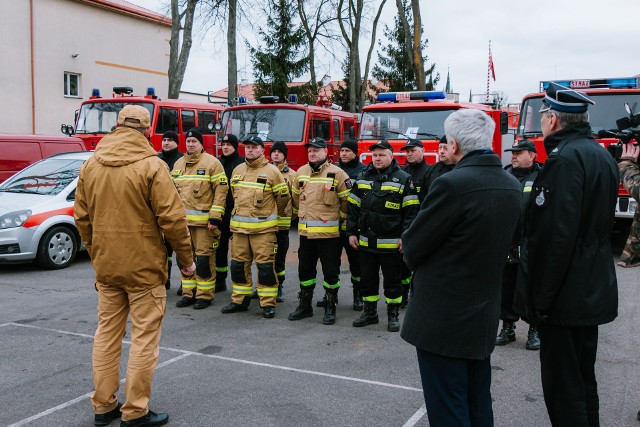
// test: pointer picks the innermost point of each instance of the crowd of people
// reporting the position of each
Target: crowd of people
(460, 244)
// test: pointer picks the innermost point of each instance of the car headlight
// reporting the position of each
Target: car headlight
(14, 219)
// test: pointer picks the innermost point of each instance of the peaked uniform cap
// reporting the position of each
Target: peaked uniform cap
(565, 100)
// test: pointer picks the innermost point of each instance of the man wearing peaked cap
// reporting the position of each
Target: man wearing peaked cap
(571, 281)
(316, 142)
(383, 143)
(254, 140)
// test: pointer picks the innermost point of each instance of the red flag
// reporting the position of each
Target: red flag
(493, 71)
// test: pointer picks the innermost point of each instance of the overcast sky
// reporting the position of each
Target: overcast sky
(530, 41)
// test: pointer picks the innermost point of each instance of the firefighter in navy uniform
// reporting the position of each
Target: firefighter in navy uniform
(278, 154)
(442, 166)
(417, 168)
(320, 194)
(382, 204)
(170, 155)
(202, 185)
(229, 159)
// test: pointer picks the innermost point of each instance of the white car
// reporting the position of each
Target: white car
(36, 212)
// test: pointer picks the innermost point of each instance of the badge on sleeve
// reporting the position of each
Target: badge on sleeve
(542, 196)
(347, 183)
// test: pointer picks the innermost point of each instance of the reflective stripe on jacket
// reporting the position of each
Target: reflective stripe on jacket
(321, 200)
(260, 197)
(289, 175)
(202, 185)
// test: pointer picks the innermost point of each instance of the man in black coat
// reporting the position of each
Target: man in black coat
(229, 159)
(571, 281)
(457, 246)
(442, 166)
(170, 155)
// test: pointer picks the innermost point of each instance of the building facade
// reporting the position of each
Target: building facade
(56, 51)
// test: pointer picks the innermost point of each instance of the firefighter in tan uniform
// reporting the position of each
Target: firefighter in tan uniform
(260, 197)
(320, 194)
(278, 154)
(125, 204)
(202, 185)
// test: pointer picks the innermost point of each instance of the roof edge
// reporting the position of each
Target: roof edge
(137, 12)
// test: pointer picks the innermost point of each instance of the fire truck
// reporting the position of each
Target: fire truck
(610, 96)
(98, 116)
(398, 116)
(289, 122)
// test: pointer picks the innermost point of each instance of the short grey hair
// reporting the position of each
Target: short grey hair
(570, 119)
(471, 129)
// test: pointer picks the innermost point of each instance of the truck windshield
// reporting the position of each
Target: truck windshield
(271, 124)
(403, 124)
(609, 108)
(101, 117)
(48, 177)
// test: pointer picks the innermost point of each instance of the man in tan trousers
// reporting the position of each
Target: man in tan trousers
(125, 204)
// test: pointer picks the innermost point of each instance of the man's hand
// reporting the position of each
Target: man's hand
(188, 271)
(353, 242)
(630, 151)
(212, 226)
(400, 245)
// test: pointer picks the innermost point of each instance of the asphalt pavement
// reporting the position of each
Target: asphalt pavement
(243, 370)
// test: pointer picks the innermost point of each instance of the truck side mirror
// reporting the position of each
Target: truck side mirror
(504, 123)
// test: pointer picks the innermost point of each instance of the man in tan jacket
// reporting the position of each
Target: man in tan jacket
(125, 204)
(202, 185)
(260, 197)
(320, 194)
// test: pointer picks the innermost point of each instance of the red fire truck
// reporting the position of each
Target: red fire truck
(289, 122)
(610, 96)
(98, 116)
(397, 116)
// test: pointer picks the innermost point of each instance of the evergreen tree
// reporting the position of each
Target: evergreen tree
(283, 58)
(394, 66)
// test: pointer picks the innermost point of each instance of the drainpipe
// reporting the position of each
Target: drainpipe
(33, 84)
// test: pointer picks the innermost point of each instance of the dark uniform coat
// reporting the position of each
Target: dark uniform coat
(352, 168)
(436, 170)
(229, 163)
(170, 157)
(457, 246)
(417, 172)
(571, 276)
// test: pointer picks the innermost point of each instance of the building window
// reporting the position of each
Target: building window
(71, 84)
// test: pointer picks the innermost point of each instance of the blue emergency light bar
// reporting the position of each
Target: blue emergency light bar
(95, 92)
(242, 100)
(411, 96)
(293, 98)
(616, 83)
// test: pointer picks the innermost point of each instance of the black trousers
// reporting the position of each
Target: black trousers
(282, 238)
(567, 360)
(509, 278)
(354, 261)
(327, 250)
(457, 392)
(391, 265)
(222, 253)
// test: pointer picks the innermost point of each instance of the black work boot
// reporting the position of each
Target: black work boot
(507, 333)
(185, 302)
(358, 305)
(106, 418)
(533, 339)
(304, 309)
(201, 303)
(221, 284)
(329, 310)
(405, 297)
(369, 316)
(393, 311)
(179, 290)
(280, 297)
(150, 420)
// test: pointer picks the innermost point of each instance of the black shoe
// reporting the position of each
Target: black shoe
(107, 417)
(221, 288)
(179, 293)
(405, 297)
(268, 312)
(201, 303)
(233, 308)
(255, 295)
(280, 297)
(185, 302)
(369, 316)
(322, 302)
(304, 308)
(507, 333)
(150, 420)
(533, 339)
(167, 285)
(329, 310)
(358, 305)
(392, 316)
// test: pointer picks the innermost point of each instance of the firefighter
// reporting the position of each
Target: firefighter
(382, 204)
(442, 166)
(320, 194)
(260, 198)
(170, 155)
(417, 168)
(278, 154)
(229, 159)
(202, 185)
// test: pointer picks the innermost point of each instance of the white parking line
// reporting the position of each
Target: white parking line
(84, 396)
(246, 362)
(416, 417)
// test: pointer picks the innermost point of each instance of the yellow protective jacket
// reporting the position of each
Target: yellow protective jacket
(289, 175)
(202, 185)
(321, 200)
(260, 197)
(125, 203)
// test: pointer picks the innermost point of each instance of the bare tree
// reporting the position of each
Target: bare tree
(179, 55)
(413, 41)
(232, 67)
(315, 17)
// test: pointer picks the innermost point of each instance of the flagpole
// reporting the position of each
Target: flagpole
(488, 71)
